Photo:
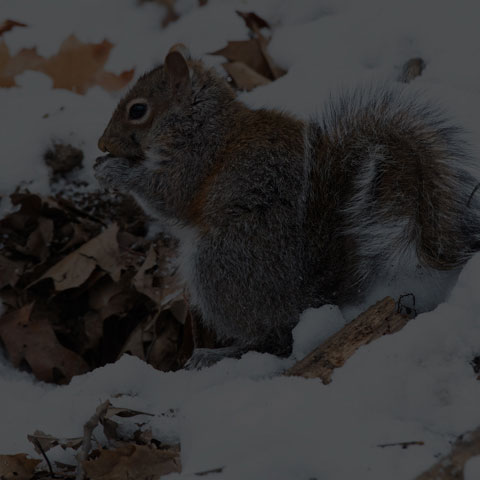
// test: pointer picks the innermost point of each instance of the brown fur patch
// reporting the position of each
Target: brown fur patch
(251, 132)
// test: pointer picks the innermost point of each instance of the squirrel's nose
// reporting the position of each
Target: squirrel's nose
(102, 145)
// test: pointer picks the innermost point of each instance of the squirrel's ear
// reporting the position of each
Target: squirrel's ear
(181, 48)
(177, 68)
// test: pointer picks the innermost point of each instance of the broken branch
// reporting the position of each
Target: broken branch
(380, 319)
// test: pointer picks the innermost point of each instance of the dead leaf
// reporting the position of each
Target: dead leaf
(156, 280)
(17, 467)
(77, 234)
(162, 353)
(10, 271)
(116, 292)
(253, 21)
(141, 462)
(74, 269)
(29, 339)
(143, 437)
(47, 442)
(275, 70)
(244, 77)
(247, 52)
(124, 412)
(412, 69)
(39, 240)
(110, 430)
(144, 282)
(10, 67)
(110, 297)
(158, 340)
(135, 343)
(7, 25)
(77, 66)
(250, 65)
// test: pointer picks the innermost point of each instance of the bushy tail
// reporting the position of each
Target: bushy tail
(413, 179)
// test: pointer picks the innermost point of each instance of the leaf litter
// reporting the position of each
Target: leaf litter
(80, 291)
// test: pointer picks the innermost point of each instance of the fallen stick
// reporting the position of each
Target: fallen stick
(452, 465)
(380, 319)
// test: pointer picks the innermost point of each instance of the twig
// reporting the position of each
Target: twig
(404, 445)
(452, 465)
(378, 320)
(208, 472)
(88, 429)
(42, 451)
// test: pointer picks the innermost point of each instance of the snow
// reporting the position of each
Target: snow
(416, 385)
(314, 327)
(472, 469)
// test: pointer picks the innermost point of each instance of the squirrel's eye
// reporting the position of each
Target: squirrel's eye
(137, 111)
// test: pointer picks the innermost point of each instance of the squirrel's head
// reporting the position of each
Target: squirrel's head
(161, 101)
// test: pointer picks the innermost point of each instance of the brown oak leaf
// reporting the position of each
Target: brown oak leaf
(77, 66)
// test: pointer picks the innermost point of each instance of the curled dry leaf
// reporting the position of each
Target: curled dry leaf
(47, 442)
(17, 467)
(30, 340)
(124, 412)
(141, 462)
(74, 269)
(77, 66)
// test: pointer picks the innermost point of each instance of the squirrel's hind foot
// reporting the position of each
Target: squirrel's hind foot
(206, 357)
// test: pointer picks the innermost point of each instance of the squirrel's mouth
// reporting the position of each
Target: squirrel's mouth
(102, 158)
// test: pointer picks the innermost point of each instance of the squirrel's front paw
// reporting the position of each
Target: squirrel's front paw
(113, 172)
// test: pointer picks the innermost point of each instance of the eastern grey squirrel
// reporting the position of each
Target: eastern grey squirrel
(274, 214)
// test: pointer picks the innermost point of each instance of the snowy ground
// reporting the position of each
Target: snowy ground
(416, 385)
